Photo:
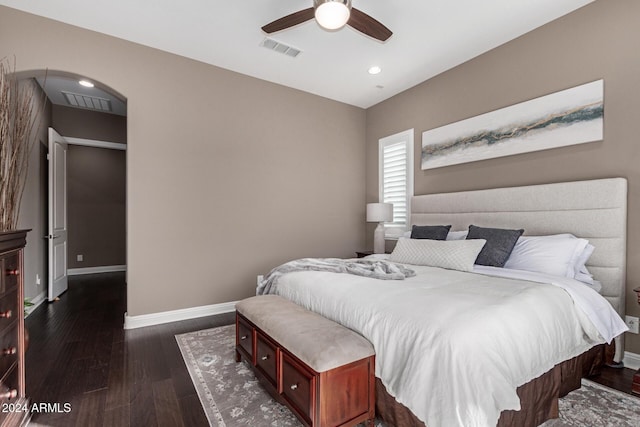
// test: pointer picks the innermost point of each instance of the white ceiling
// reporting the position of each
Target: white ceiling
(430, 36)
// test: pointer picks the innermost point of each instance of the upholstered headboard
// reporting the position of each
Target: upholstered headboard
(595, 210)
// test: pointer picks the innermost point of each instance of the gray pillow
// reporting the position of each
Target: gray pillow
(500, 243)
(433, 232)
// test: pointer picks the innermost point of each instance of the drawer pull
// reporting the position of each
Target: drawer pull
(9, 351)
(6, 314)
(294, 386)
(244, 337)
(13, 272)
(9, 394)
(265, 357)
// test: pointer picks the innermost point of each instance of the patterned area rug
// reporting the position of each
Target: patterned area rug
(231, 395)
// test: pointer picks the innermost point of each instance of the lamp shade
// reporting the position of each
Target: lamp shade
(379, 212)
(332, 14)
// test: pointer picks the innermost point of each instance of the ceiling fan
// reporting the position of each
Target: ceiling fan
(332, 15)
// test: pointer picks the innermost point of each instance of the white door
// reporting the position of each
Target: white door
(57, 215)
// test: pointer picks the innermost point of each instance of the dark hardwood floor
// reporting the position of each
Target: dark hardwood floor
(79, 354)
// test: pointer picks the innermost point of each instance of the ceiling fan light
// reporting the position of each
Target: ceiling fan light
(332, 14)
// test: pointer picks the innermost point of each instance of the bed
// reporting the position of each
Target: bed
(465, 386)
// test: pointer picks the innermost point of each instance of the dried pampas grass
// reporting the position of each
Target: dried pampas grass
(17, 125)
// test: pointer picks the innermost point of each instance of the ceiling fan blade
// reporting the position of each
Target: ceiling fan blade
(289, 21)
(367, 25)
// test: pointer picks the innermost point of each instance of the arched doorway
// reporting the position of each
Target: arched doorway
(91, 116)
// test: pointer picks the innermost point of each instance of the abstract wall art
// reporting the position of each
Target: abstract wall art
(572, 116)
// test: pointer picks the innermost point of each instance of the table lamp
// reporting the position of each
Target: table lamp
(380, 213)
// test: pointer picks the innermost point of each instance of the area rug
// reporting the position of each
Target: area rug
(232, 396)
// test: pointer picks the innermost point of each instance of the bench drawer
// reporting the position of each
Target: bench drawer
(298, 387)
(244, 336)
(266, 358)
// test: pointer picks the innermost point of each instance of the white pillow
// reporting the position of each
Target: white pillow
(457, 235)
(597, 286)
(452, 255)
(580, 268)
(557, 255)
(584, 276)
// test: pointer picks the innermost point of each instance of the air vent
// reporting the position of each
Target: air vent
(280, 48)
(85, 101)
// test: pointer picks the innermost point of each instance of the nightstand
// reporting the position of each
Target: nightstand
(363, 254)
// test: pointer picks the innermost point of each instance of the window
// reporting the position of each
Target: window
(395, 160)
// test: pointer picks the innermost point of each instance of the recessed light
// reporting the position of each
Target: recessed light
(86, 83)
(375, 70)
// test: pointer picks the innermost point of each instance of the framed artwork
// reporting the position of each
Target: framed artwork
(572, 116)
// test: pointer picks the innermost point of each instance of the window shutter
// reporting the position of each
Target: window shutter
(396, 179)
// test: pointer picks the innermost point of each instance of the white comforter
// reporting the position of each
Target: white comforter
(453, 346)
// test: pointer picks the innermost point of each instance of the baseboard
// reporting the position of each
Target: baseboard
(133, 322)
(94, 270)
(39, 299)
(631, 360)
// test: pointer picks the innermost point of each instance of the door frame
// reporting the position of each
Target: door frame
(87, 143)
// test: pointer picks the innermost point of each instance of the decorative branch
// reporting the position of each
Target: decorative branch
(18, 122)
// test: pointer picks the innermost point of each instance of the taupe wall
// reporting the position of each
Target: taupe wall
(78, 123)
(96, 206)
(227, 175)
(34, 200)
(597, 41)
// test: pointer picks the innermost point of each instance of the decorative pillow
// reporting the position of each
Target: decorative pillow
(457, 235)
(433, 232)
(557, 255)
(452, 255)
(500, 243)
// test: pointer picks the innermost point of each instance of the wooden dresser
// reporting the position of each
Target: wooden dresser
(13, 402)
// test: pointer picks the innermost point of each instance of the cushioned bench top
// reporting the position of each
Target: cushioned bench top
(319, 342)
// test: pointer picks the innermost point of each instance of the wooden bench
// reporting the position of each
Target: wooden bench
(322, 371)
